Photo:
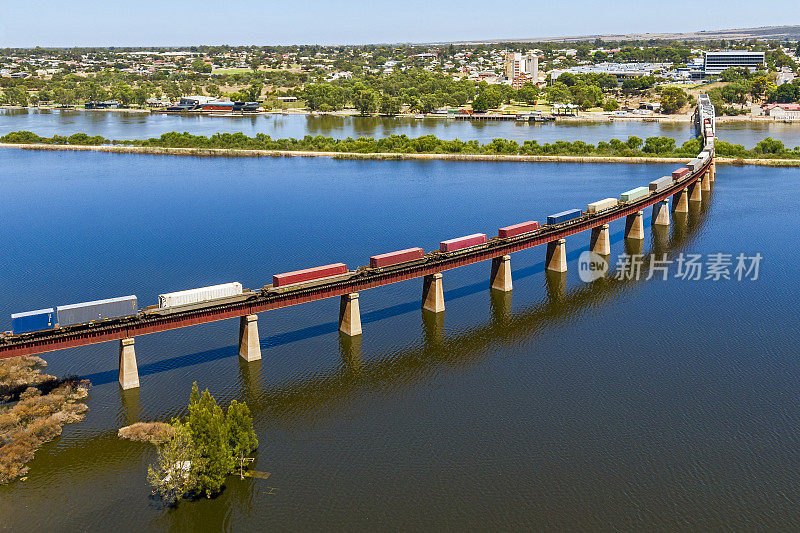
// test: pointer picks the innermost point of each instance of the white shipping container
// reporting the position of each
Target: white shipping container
(201, 294)
(602, 205)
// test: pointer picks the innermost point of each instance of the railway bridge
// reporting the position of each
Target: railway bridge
(691, 185)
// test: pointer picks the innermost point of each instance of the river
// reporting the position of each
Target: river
(612, 405)
(121, 125)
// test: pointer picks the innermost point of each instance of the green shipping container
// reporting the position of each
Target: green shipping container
(634, 194)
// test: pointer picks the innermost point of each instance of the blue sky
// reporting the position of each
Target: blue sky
(182, 22)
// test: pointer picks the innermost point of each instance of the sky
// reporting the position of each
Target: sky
(28, 23)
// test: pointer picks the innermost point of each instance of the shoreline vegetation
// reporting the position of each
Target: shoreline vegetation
(768, 152)
(34, 407)
(584, 117)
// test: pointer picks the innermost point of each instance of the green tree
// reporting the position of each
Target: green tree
(209, 432)
(366, 102)
(201, 67)
(389, 105)
(559, 93)
(123, 93)
(659, 145)
(528, 93)
(610, 105)
(174, 473)
(480, 104)
(241, 435)
(253, 93)
(634, 142)
(213, 89)
(673, 99)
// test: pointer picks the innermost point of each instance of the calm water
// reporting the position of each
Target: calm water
(115, 125)
(627, 405)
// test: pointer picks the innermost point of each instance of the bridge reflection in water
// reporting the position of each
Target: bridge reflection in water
(293, 401)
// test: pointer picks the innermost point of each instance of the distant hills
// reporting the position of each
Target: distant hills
(765, 32)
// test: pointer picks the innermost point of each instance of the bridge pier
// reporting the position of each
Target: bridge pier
(599, 241)
(350, 315)
(695, 192)
(249, 343)
(128, 371)
(501, 274)
(660, 214)
(433, 293)
(712, 170)
(705, 181)
(556, 259)
(634, 226)
(680, 201)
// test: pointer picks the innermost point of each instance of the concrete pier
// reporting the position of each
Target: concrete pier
(634, 226)
(705, 181)
(556, 259)
(680, 201)
(128, 371)
(501, 274)
(695, 192)
(599, 241)
(249, 343)
(433, 293)
(350, 315)
(712, 170)
(660, 214)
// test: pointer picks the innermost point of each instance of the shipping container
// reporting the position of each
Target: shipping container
(393, 258)
(451, 245)
(601, 205)
(33, 321)
(200, 294)
(518, 229)
(81, 313)
(660, 184)
(308, 274)
(680, 173)
(563, 216)
(694, 165)
(634, 194)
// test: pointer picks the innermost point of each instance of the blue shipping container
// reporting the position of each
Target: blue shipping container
(563, 216)
(32, 321)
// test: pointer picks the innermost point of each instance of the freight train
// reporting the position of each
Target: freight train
(125, 307)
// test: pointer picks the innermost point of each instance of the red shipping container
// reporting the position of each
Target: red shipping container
(680, 173)
(309, 274)
(392, 258)
(462, 242)
(518, 229)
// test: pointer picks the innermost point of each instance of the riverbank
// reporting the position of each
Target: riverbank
(586, 117)
(232, 152)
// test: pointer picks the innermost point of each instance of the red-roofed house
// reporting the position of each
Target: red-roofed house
(782, 111)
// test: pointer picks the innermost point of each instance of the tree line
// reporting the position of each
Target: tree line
(426, 144)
